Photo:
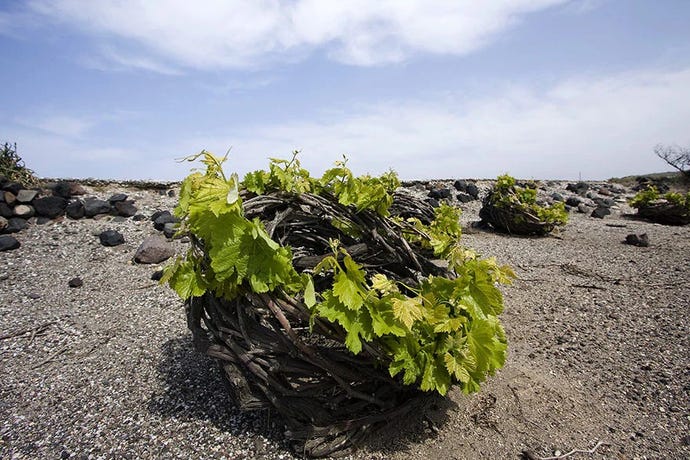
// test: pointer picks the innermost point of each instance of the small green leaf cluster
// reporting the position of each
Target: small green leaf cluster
(364, 192)
(506, 194)
(436, 333)
(441, 235)
(441, 332)
(651, 194)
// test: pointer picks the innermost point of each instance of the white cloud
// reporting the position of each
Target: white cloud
(250, 33)
(596, 127)
(61, 125)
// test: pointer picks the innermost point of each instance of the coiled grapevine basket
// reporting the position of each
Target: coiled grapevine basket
(276, 355)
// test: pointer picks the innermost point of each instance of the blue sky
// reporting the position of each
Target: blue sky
(548, 89)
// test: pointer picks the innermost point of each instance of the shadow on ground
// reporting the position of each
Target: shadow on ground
(195, 388)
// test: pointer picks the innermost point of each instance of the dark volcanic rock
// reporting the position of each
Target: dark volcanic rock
(464, 197)
(15, 224)
(637, 240)
(94, 206)
(601, 212)
(50, 206)
(111, 238)
(579, 188)
(157, 275)
(170, 229)
(439, 193)
(153, 250)
(555, 196)
(573, 201)
(125, 208)
(8, 243)
(5, 210)
(139, 217)
(13, 187)
(164, 218)
(117, 198)
(68, 189)
(75, 282)
(75, 209)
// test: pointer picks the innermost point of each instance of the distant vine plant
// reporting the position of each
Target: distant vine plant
(651, 194)
(438, 332)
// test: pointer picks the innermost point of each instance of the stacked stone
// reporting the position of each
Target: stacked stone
(20, 205)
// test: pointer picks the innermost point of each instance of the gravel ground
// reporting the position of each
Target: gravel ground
(598, 334)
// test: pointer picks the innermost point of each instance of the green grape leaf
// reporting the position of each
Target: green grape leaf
(381, 283)
(486, 348)
(383, 320)
(186, 280)
(347, 291)
(408, 310)
(309, 293)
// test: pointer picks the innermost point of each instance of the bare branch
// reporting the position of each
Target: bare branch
(676, 156)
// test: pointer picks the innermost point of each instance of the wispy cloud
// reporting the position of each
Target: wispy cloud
(596, 127)
(251, 33)
(110, 59)
(61, 125)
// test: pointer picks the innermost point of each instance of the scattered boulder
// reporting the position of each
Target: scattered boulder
(165, 217)
(139, 217)
(439, 193)
(637, 240)
(604, 202)
(582, 208)
(15, 224)
(460, 185)
(157, 275)
(169, 229)
(13, 187)
(111, 238)
(24, 211)
(153, 250)
(116, 198)
(75, 282)
(50, 206)
(573, 201)
(94, 207)
(555, 196)
(75, 209)
(644, 182)
(8, 243)
(5, 210)
(125, 208)
(605, 191)
(464, 197)
(67, 189)
(26, 196)
(600, 212)
(580, 188)
(10, 198)
(3, 223)
(40, 220)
